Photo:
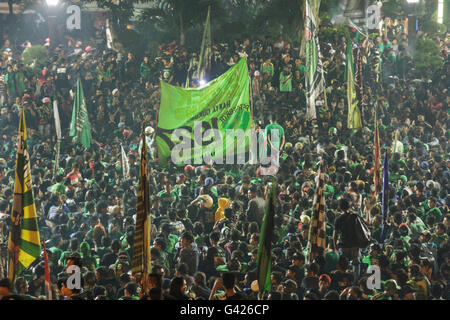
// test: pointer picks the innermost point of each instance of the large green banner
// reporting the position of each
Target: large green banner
(187, 114)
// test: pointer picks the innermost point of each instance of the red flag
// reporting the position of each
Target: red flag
(48, 283)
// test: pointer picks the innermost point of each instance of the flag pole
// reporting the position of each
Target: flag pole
(324, 90)
(48, 283)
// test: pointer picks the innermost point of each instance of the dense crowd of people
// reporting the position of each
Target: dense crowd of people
(206, 220)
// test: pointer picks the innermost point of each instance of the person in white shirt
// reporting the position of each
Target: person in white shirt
(149, 139)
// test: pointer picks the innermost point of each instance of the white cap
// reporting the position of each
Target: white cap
(115, 91)
(149, 130)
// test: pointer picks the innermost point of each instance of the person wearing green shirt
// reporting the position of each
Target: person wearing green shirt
(87, 259)
(267, 70)
(331, 259)
(73, 248)
(56, 254)
(144, 69)
(300, 67)
(375, 253)
(166, 196)
(59, 188)
(390, 292)
(275, 143)
(10, 79)
(435, 211)
(416, 225)
(286, 79)
(20, 81)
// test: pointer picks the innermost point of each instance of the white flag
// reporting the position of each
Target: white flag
(108, 35)
(125, 164)
(57, 121)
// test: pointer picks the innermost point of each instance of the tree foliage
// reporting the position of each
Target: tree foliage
(427, 58)
(35, 57)
(180, 15)
(287, 14)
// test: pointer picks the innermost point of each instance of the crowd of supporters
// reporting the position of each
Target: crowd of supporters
(206, 220)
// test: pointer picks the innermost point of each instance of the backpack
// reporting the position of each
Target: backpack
(362, 233)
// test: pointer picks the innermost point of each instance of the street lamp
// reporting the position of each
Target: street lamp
(441, 11)
(413, 20)
(52, 3)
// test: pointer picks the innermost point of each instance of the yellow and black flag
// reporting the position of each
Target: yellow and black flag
(24, 244)
(141, 248)
(354, 112)
(317, 229)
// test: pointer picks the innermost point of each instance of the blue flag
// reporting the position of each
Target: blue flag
(385, 195)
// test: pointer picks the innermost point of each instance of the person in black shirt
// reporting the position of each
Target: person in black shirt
(340, 278)
(344, 228)
(227, 282)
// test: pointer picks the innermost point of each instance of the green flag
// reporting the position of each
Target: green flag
(24, 245)
(80, 128)
(264, 259)
(314, 71)
(221, 104)
(354, 114)
(204, 63)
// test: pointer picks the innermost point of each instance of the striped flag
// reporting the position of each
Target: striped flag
(314, 79)
(80, 128)
(376, 173)
(354, 114)
(125, 163)
(264, 259)
(317, 231)
(385, 195)
(24, 243)
(48, 283)
(204, 62)
(141, 249)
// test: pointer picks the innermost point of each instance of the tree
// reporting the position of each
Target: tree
(427, 58)
(121, 13)
(181, 14)
(285, 13)
(35, 58)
